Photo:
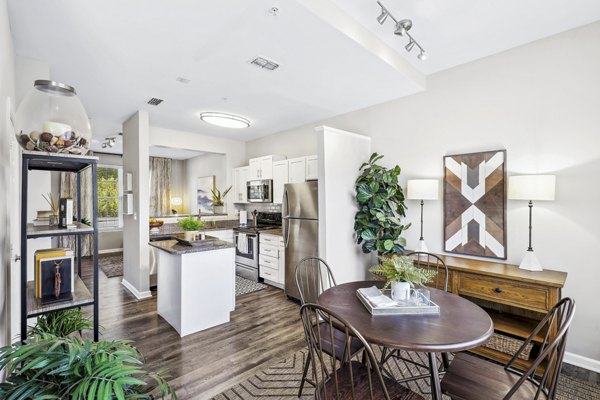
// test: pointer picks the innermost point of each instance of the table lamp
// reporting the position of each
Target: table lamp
(422, 189)
(530, 188)
(176, 201)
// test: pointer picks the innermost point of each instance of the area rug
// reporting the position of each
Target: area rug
(110, 264)
(245, 286)
(281, 380)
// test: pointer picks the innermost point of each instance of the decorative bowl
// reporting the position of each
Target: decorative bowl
(156, 224)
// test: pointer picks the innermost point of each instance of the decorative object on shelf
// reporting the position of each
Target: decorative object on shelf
(422, 189)
(156, 223)
(402, 274)
(54, 206)
(401, 29)
(52, 119)
(42, 218)
(381, 206)
(57, 279)
(175, 202)
(65, 218)
(530, 188)
(204, 188)
(219, 200)
(42, 254)
(475, 204)
(191, 226)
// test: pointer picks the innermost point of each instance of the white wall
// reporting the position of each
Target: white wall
(7, 89)
(204, 165)
(297, 142)
(540, 103)
(340, 152)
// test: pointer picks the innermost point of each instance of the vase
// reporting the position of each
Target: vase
(190, 235)
(400, 291)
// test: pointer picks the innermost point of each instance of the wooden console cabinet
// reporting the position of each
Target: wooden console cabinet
(515, 299)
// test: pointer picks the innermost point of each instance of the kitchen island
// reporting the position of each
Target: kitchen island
(195, 285)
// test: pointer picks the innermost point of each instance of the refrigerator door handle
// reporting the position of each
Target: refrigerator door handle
(286, 204)
(286, 231)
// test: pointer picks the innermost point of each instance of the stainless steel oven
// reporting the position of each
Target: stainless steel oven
(260, 191)
(246, 263)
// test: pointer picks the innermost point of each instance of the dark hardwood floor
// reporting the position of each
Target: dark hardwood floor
(264, 326)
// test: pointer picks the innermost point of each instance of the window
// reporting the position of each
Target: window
(110, 195)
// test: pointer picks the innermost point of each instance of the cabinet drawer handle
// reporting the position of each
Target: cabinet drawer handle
(498, 290)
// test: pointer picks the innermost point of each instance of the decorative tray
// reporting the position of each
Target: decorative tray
(208, 241)
(401, 307)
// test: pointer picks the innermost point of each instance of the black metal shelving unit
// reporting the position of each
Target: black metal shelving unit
(30, 306)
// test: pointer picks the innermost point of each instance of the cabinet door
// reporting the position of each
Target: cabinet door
(312, 168)
(297, 172)
(266, 167)
(280, 178)
(244, 175)
(281, 263)
(255, 165)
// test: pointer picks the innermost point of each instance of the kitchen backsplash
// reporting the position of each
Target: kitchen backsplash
(263, 207)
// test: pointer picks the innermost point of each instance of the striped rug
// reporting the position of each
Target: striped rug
(280, 381)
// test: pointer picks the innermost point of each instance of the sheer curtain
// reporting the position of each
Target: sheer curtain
(160, 186)
(68, 188)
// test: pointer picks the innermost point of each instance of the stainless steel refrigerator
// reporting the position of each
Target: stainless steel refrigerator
(300, 228)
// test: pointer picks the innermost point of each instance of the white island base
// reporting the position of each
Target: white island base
(196, 290)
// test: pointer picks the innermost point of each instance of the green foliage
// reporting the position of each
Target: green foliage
(61, 323)
(218, 198)
(191, 224)
(397, 268)
(381, 205)
(108, 192)
(50, 367)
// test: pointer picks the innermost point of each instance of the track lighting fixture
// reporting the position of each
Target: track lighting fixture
(109, 141)
(401, 29)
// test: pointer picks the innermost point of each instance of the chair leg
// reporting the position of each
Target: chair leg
(445, 361)
(306, 365)
(436, 392)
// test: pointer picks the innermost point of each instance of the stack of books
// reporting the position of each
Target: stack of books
(43, 218)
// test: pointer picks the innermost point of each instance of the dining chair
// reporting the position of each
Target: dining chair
(335, 374)
(472, 378)
(430, 262)
(313, 277)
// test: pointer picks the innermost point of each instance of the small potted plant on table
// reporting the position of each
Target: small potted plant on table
(219, 200)
(401, 274)
(191, 226)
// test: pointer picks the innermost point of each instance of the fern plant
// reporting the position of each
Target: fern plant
(397, 268)
(191, 224)
(61, 323)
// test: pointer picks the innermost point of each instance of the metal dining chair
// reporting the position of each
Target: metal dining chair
(430, 262)
(335, 374)
(313, 277)
(472, 378)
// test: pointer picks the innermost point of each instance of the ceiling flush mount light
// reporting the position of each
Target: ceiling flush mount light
(401, 29)
(225, 120)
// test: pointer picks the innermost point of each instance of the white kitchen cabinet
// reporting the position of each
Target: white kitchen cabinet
(221, 234)
(312, 168)
(271, 260)
(280, 178)
(297, 170)
(240, 179)
(262, 167)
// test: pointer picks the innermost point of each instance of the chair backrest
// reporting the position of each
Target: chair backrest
(551, 352)
(337, 369)
(434, 263)
(313, 277)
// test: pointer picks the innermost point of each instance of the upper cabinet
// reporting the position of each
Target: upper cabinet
(297, 169)
(312, 168)
(262, 167)
(240, 180)
(280, 178)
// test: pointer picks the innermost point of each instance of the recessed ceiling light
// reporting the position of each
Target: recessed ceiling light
(225, 120)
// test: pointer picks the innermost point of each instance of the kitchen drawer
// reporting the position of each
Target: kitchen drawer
(503, 291)
(270, 262)
(271, 239)
(269, 273)
(269, 250)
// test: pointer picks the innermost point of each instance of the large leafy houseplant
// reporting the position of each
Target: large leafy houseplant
(48, 366)
(381, 206)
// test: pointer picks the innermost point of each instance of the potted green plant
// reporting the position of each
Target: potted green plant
(401, 274)
(191, 226)
(381, 206)
(219, 200)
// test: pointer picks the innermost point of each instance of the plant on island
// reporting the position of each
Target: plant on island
(397, 268)
(191, 224)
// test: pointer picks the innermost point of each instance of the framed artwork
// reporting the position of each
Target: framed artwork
(204, 187)
(475, 204)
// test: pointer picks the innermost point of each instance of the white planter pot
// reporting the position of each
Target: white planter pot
(190, 235)
(219, 209)
(400, 291)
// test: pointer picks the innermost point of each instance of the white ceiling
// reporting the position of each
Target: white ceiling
(118, 54)
(174, 154)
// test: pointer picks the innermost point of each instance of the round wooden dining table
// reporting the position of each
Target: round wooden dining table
(460, 325)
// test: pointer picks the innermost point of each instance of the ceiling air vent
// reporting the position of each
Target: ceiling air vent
(155, 101)
(264, 63)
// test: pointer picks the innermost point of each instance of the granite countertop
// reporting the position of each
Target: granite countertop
(187, 215)
(173, 247)
(175, 229)
(274, 231)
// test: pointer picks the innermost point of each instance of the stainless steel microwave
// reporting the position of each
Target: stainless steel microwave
(260, 191)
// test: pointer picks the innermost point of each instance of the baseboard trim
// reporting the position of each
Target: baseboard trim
(105, 251)
(582, 362)
(139, 295)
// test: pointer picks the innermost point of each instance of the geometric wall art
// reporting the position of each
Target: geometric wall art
(475, 204)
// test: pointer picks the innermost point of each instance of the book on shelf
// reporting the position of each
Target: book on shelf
(44, 214)
(41, 222)
(42, 254)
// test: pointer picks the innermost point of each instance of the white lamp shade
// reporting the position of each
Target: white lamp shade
(531, 187)
(422, 189)
(176, 201)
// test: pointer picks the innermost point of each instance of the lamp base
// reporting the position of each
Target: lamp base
(530, 262)
(422, 247)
